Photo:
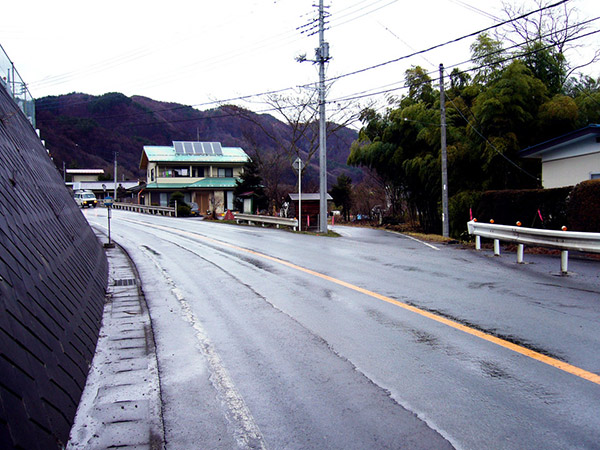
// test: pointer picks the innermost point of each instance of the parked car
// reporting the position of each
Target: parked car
(194, 209)
(86, 199)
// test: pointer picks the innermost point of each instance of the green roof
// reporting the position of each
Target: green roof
(227, 155)
(204, 183)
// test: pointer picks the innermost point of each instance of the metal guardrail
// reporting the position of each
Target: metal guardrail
(11, 80)
(559, 239)
(273, 220)
(156, 210)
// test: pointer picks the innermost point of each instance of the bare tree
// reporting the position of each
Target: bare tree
(300, 115)
(271, 167)
(558, 27)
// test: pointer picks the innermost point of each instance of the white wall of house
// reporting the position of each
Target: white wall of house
(570, 171)
(247, 206)
(79, 178)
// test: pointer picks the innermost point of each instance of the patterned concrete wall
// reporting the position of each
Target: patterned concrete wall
(53, 275)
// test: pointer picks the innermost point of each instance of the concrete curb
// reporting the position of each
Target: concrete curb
(121, 404)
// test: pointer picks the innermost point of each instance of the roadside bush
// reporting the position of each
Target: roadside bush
(508, 207)
(183, 210)
(176, 197)
(584, 207)
(459, 207)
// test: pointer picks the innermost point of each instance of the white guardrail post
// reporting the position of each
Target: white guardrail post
(157, 210)
(277, 221)
(559, 239)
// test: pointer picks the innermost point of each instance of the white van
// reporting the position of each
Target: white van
(85, 199)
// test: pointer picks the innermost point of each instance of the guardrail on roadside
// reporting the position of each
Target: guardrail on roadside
(273, 220)
(11, 80)
(559, 239)
(156, 210)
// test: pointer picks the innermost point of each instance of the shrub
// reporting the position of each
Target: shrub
(176, 197)
(508, 207)
(459, 207)
(183, 210)
(584, 207)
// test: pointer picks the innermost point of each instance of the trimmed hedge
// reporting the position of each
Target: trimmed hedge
(459, 209)
(576, 207)
(584, 207)
(509, 207)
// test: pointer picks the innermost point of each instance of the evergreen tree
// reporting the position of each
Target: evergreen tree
(341, 193)
(250, 183)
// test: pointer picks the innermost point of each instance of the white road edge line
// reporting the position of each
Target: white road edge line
(247, 432)
(414, 239)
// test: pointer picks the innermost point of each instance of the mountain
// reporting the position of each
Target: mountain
(85, 131)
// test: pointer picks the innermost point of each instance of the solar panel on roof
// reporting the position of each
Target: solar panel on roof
(217, 148)
(198, 150)
(207, 148)
(178, 147)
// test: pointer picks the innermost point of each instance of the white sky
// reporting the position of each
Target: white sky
(192, 52)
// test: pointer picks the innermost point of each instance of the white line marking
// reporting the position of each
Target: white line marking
(247, 432)
(414, 239)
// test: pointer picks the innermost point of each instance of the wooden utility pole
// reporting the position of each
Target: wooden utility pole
(445, 216)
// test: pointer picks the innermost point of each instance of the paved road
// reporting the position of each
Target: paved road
(370, 340)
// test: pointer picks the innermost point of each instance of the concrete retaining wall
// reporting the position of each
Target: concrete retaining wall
(53, 274)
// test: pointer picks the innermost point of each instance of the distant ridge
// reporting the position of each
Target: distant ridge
(85, 131)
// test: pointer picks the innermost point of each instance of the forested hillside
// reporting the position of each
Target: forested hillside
(514, 97)
(85, 131)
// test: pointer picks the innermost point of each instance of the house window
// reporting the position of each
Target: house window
(197, 172)
(164, 199)
(225, 172)
(174, 172)
(595, 176)
(152, 175)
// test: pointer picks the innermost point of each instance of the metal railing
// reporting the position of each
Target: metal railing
(16, 87)
(558, 239)
(156, 210)
(272, 220)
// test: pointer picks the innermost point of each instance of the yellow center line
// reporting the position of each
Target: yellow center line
(566, 367)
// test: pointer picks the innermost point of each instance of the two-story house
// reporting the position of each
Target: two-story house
(205, 172)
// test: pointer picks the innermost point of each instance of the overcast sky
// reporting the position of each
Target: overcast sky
(194, 52)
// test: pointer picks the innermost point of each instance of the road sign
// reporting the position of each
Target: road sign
(298, 165)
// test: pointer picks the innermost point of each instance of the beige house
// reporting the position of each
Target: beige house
(568, 159)
(205, 172)
(79, 175)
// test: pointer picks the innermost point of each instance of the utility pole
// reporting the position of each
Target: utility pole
(322, 56)
(445, 216)
(115, 192)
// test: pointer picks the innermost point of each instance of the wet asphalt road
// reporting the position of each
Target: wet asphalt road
(290, 357)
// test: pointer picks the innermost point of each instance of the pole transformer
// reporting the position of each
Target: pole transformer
(322, 56)
(445, 215)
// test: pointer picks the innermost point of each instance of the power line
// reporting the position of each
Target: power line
(364, 94)
(475, 9)
(420, 52)
(376, 66)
